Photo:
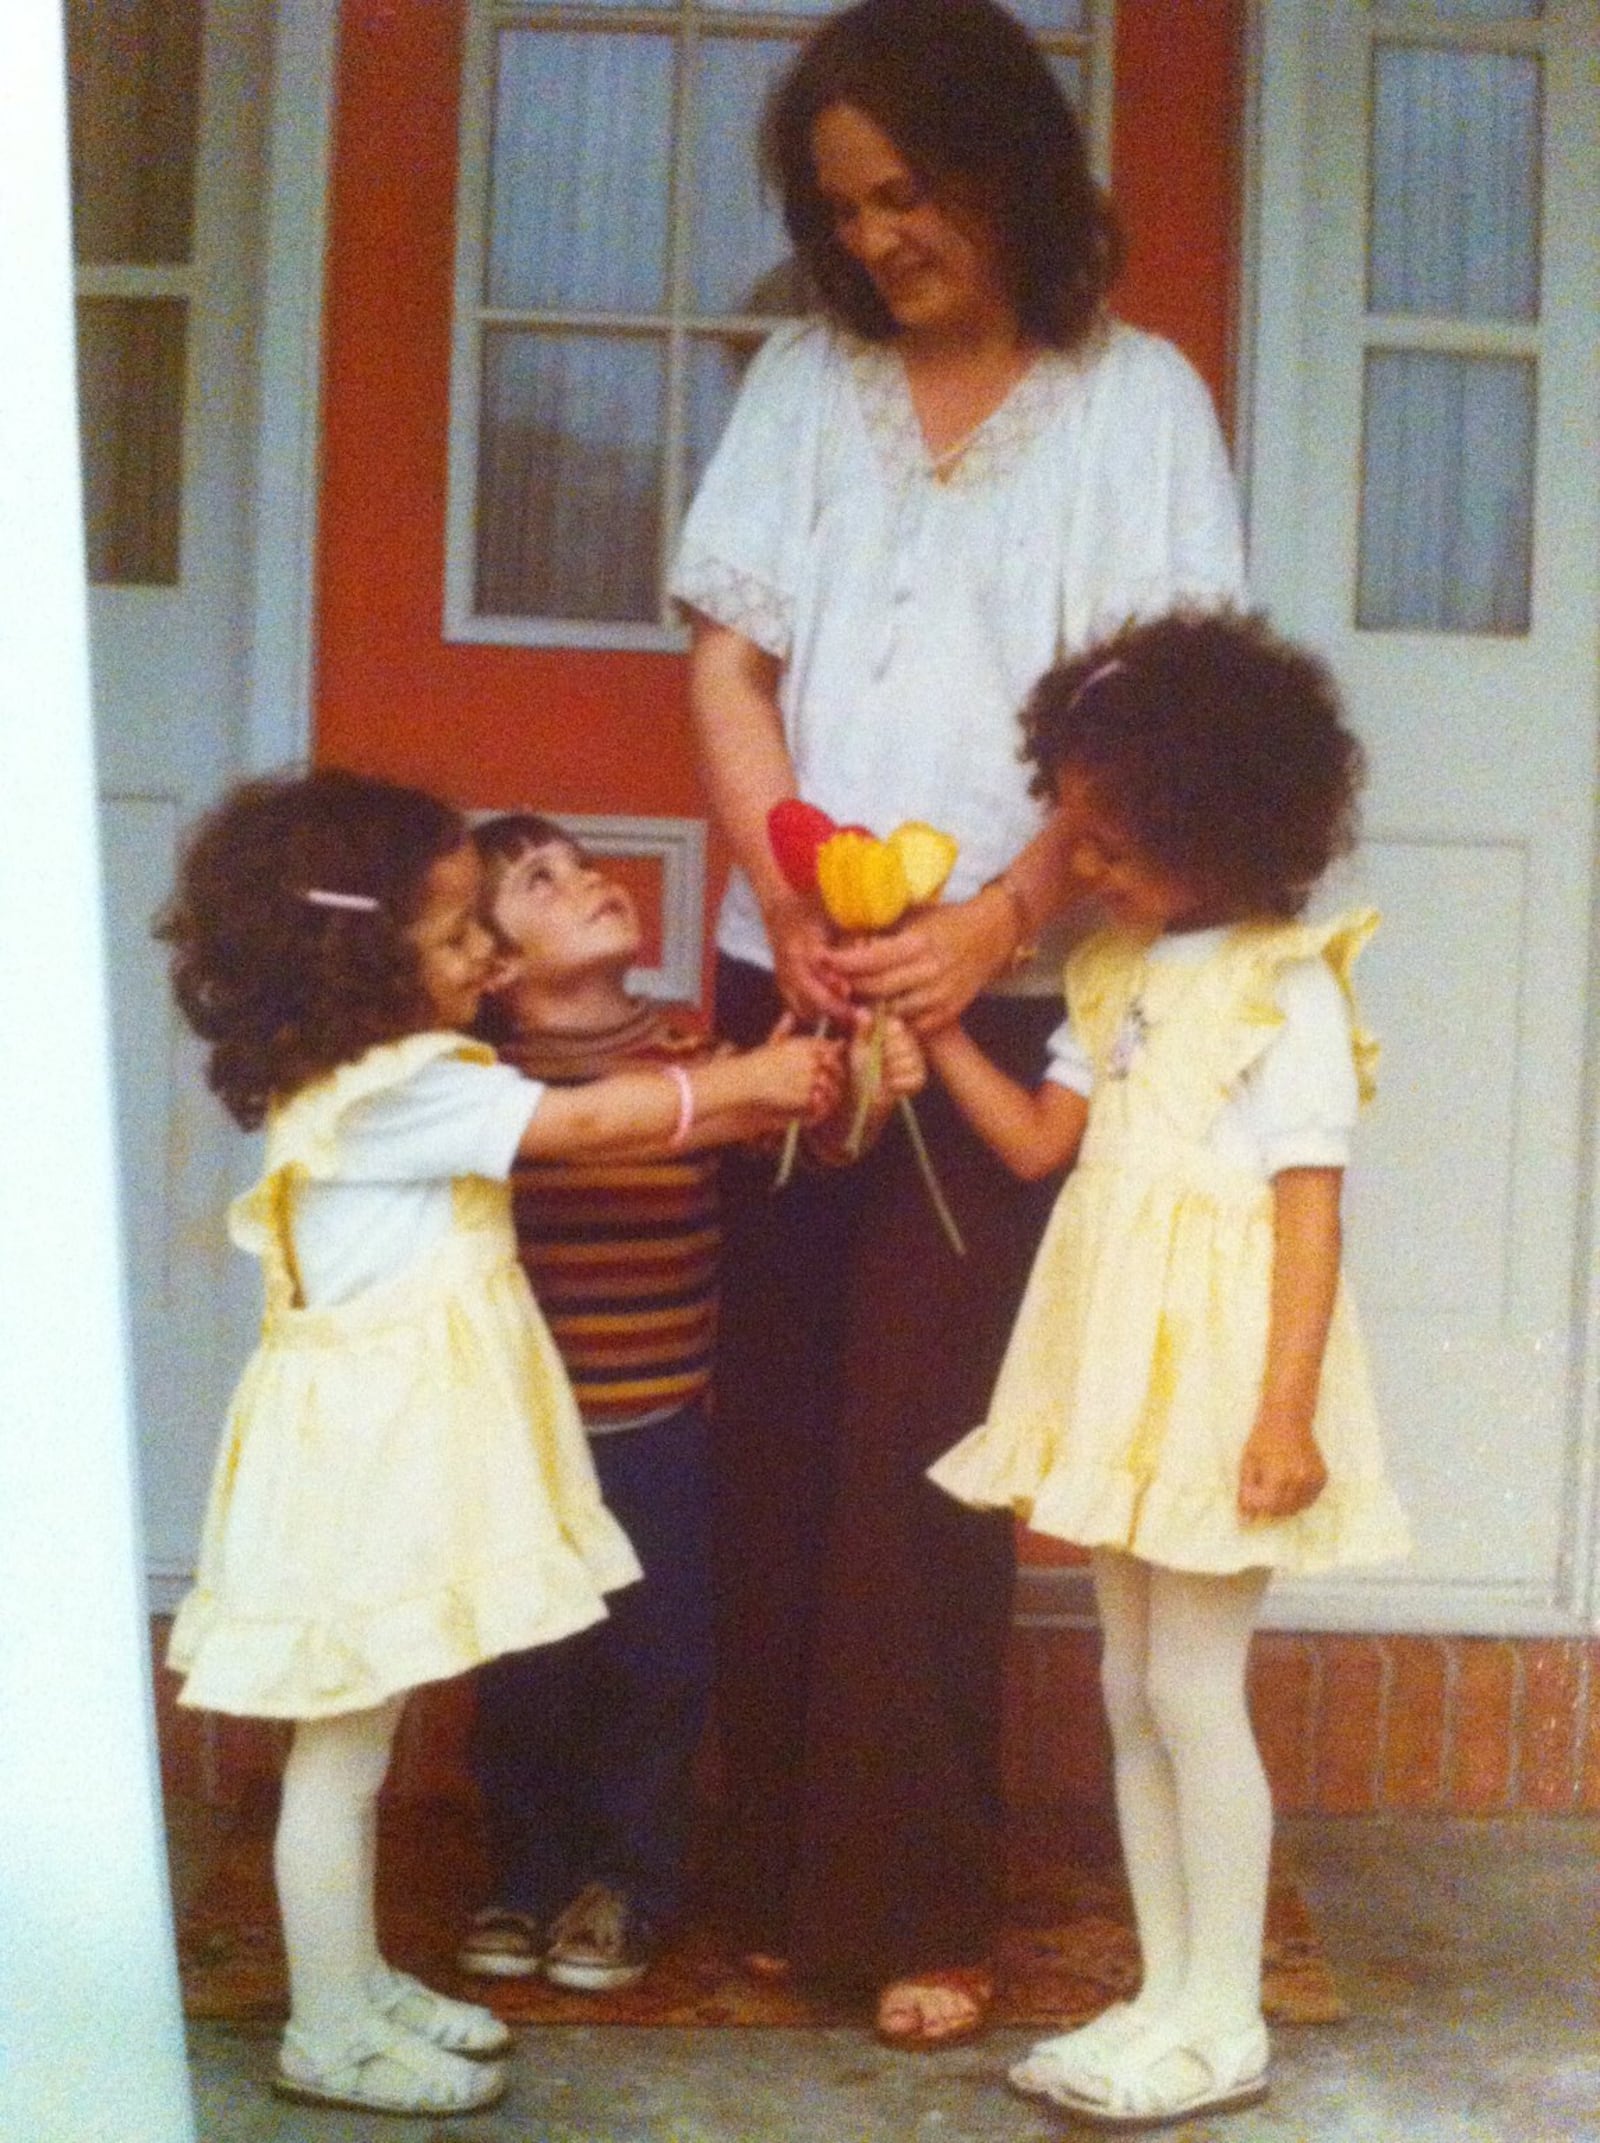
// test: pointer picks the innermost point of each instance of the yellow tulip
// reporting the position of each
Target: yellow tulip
(862, 881)
(867, 884)
(927, 857)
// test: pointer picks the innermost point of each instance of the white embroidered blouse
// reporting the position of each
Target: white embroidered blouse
(914, 604)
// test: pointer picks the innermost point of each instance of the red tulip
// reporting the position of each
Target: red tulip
(797, 830)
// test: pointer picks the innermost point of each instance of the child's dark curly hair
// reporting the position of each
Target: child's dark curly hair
(283, 987)
(1217, 747)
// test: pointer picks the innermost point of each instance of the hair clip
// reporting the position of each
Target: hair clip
(1096, 676)
(352, 903)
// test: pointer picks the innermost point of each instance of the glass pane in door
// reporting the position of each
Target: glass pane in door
(1455, 183)
(131, 357)
(1447, 493)
(133, 83)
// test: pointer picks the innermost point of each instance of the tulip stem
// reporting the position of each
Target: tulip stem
(930, 1179)
(872, 1080)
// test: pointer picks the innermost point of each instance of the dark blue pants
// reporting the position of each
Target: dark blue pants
(583, 1750)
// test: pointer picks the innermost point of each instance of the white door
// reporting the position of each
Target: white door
(1426, 511)
(170, 130)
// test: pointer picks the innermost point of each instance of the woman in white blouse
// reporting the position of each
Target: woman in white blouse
(960, 470)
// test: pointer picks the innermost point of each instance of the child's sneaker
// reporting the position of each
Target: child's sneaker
(599, 1943)
(501, 1944)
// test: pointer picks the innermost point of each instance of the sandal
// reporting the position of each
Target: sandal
(459, 2027)
(1055, 2065)
(383, 2069)
(921, 2033)
(1165, 2078)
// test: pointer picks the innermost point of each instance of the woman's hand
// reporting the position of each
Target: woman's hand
(1282, 1471)
(802, 950)
(934, 964)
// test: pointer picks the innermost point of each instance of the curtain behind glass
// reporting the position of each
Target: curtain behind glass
(1455, 192)
(741, 262)
(1448, 436)
(569, 476)
(1446, 537)
(582, 150)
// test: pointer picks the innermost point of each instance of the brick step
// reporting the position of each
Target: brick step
(1347, 1726)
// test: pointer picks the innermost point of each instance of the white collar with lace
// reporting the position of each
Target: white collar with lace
(993, 448)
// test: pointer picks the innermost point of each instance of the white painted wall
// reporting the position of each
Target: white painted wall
(91, 2041)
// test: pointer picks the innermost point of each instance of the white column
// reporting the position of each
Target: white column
(91, 2038)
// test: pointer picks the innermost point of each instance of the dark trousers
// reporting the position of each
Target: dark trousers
(583, 1750)
(862, 1614)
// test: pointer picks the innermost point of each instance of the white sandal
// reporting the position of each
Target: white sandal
(1203, 2075)
(459, 2027)
(383, 2069)
(1060, 2064)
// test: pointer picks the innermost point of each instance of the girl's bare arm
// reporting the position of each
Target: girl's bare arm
(1032, 1130)
(1283, 1470)
(738, 1096)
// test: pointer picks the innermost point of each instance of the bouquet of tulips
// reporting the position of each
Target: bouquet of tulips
(865, 885)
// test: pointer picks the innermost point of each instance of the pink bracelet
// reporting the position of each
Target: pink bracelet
(680, 1079)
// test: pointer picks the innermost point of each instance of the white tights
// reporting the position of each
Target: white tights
(325, 1859)
(1193, 1805)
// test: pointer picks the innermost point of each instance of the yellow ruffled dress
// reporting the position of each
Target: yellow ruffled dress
(404, 1488)
(1131, 1381)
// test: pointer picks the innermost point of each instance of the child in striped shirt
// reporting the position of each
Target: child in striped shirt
(583, 1751)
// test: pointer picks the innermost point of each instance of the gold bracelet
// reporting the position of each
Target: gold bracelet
(1027, 944)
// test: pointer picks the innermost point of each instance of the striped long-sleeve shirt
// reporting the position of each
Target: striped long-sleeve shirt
(622, 1255)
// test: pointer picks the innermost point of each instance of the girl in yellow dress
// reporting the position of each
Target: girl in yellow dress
(1184, 1393)
(403, 1488)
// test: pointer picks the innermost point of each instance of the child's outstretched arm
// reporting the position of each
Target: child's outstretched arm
(684, 1108)
(1282, 1470)
(1032, 1130)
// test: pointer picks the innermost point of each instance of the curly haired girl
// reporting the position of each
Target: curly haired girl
(403, 1488)
(1184, 1393)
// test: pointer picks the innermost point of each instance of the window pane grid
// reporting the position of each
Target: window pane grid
(620, 212)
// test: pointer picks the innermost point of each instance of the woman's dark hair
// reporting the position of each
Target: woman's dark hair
(1218, 748)
(969, 101)
(285, 987)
